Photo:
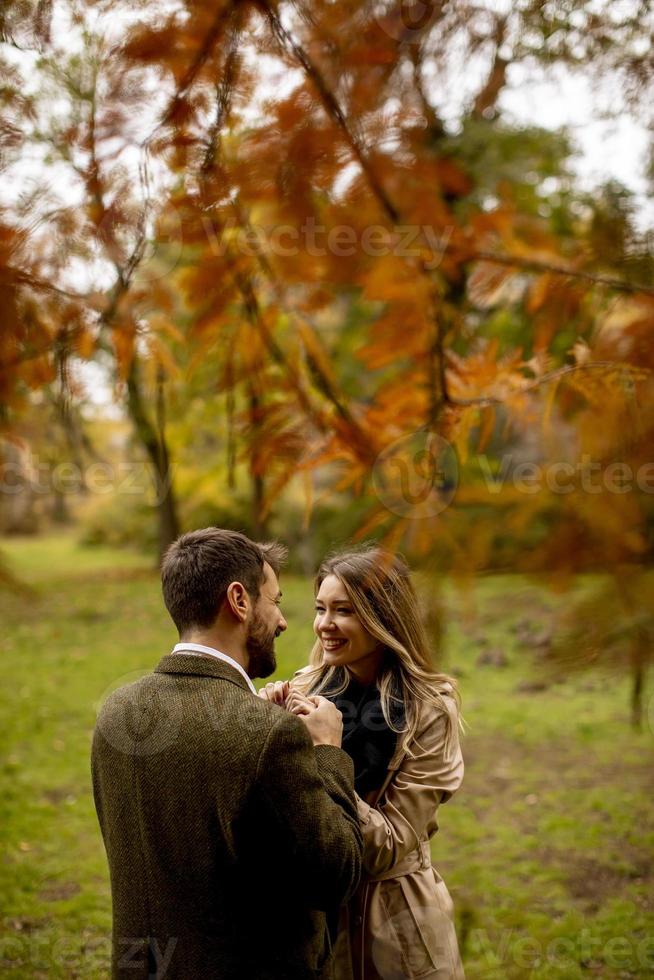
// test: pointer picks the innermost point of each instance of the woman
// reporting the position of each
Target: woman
(400, 726)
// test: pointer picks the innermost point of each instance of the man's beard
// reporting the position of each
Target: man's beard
(259, 644)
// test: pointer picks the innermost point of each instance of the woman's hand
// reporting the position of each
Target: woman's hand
(276, 691)
(300, 704)
(322, 718)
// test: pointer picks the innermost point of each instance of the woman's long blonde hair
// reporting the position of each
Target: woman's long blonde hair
(378, 585)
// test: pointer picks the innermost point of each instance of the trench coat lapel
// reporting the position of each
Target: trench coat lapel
(397, 759)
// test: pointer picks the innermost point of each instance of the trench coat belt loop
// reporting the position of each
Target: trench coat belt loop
(425, 854)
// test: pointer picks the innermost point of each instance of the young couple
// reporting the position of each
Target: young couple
(284, 835)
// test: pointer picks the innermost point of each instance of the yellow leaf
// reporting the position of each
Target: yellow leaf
(85, 343)
(391, 278)
(550, 399)
(163, 358)
(581, 352)
(376, 519)
(307, 483)
(538, 293)
(486, 427)
(391, 540)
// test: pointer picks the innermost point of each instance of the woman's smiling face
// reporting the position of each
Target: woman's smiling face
(345, 641)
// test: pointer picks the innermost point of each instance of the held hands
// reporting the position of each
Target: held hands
(275, 691)
(322, 718)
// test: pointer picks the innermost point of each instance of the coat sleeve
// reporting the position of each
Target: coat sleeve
(426, 778)
(306, 795)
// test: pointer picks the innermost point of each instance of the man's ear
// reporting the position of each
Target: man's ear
(238, 600)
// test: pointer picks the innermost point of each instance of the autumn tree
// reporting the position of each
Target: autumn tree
(322, 208)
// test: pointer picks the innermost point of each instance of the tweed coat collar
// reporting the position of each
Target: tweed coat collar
(199, 666)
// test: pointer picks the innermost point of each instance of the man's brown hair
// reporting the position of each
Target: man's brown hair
(199, 566)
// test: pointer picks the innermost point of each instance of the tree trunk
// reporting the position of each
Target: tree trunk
(637, 681)
(60, 512)
(626, 581)
(153, 440)
(259, 522)
(166, 502)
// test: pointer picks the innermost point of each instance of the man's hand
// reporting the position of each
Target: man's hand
(275, 691)
(323, 719)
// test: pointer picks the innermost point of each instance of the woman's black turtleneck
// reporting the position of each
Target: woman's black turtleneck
(367, 737)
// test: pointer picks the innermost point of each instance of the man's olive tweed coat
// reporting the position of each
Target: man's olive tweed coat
(229, 837)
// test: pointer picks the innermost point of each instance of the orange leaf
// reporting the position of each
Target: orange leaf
(486, 427)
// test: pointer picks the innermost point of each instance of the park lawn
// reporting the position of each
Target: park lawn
(547, 849)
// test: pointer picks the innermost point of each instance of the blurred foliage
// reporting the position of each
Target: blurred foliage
(120, 523)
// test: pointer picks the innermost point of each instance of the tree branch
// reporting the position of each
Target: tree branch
(328, 390)
(334, 110)
(212, 36)
(253, 311)
(488, 400)
(434, 122)
(224, 90)
(487, 98)
(536, 265)
(244, 284)
(331, 106)
(18, 277)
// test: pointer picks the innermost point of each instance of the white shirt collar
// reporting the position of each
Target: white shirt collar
(195, 648)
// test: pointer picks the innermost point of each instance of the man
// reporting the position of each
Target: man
(230, 825)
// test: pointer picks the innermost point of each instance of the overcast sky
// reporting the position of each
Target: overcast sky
(615, 148)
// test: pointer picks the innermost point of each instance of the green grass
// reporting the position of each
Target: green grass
(547, 849)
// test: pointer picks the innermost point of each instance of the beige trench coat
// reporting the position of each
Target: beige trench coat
(400, 923)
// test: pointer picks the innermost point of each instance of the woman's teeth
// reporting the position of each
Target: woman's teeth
(333, 644)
